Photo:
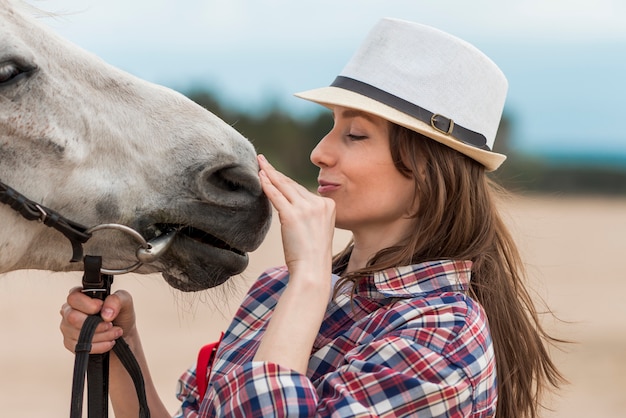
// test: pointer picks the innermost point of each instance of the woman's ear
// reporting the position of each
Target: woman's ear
(421, 173)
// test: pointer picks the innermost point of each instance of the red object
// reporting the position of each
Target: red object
(206, 355)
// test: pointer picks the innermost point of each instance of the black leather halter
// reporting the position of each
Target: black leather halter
(73, 231)
(96, 285)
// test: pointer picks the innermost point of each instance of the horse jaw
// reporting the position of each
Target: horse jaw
(100, 146)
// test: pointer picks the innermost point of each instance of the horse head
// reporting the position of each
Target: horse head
(99, 145)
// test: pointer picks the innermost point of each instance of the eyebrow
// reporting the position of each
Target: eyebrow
(353, 113)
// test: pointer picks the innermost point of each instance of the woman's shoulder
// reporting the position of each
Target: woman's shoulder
(452, 317)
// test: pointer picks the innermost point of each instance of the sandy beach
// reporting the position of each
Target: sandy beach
(574, 248)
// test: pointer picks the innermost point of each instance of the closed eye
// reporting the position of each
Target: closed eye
(356, 137)
(12, 72)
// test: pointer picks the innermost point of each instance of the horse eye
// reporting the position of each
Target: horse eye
(10, 71)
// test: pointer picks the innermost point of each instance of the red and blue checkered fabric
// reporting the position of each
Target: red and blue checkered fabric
(409, 343)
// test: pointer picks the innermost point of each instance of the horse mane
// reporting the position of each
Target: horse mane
(37, 11)
(30, 8)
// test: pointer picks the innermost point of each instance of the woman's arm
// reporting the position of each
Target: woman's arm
(307, 226)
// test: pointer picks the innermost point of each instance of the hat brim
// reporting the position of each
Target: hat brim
(335, 96)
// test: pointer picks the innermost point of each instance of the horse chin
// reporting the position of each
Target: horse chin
(191, 267)
(181, 281)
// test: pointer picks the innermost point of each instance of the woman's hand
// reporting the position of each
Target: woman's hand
(307, 225)
(307, 220)
(117, 312)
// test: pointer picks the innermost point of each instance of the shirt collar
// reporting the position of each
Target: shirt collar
(423, 278)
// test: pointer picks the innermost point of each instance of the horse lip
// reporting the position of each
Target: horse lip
(191, 265)
(201, 236)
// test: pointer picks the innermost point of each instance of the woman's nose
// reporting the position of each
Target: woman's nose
(322, 155)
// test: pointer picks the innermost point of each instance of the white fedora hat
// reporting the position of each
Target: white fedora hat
(425, 80)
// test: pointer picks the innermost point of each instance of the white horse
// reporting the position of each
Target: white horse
(97, 145)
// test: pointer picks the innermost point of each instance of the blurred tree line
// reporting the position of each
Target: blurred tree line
(539, 174)
(287, 141)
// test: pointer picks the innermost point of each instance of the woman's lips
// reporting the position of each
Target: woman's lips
(326, 187)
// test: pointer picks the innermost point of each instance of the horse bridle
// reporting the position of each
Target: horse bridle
(97, 284)
(78, 234)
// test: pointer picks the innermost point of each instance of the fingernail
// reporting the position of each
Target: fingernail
(262, 158)
(107, 313)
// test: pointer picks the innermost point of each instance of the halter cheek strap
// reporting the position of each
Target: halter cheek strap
(73, 231)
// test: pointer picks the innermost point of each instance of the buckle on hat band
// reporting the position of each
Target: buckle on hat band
(434, 121)
(437, 121)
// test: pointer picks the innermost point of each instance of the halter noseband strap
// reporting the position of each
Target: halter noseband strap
(74, 232)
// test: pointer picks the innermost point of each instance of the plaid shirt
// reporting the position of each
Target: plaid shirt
(409, 343)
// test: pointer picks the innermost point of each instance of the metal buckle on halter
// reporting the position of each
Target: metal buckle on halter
(433, 121)
(44, 214)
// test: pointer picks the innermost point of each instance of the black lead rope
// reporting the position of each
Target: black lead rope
(81, 363)
(96, 366)
(96, 285)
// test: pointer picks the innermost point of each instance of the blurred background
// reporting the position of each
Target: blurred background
(243, 60)
(565, 61)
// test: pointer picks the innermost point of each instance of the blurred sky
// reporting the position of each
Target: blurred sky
(565, 59)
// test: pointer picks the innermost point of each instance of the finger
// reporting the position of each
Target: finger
(72, 322)
(111, 307)
(285, 196)
(276, 197)
(102, 341)
(287, 186)
(103, 347)
(289, 207)
(104, 332)
(75, 289)
(83, 303)
(96, 347)
(115, 303)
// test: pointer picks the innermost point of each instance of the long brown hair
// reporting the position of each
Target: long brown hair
(457, 218)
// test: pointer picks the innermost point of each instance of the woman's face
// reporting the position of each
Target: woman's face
(357, 172)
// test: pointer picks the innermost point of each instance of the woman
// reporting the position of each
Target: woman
(394, 325)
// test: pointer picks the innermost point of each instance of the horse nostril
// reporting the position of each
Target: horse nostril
(235, 179)
(224, 180)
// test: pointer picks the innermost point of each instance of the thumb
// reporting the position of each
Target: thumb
(108, 313)
(112, 306)
(118, 308)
